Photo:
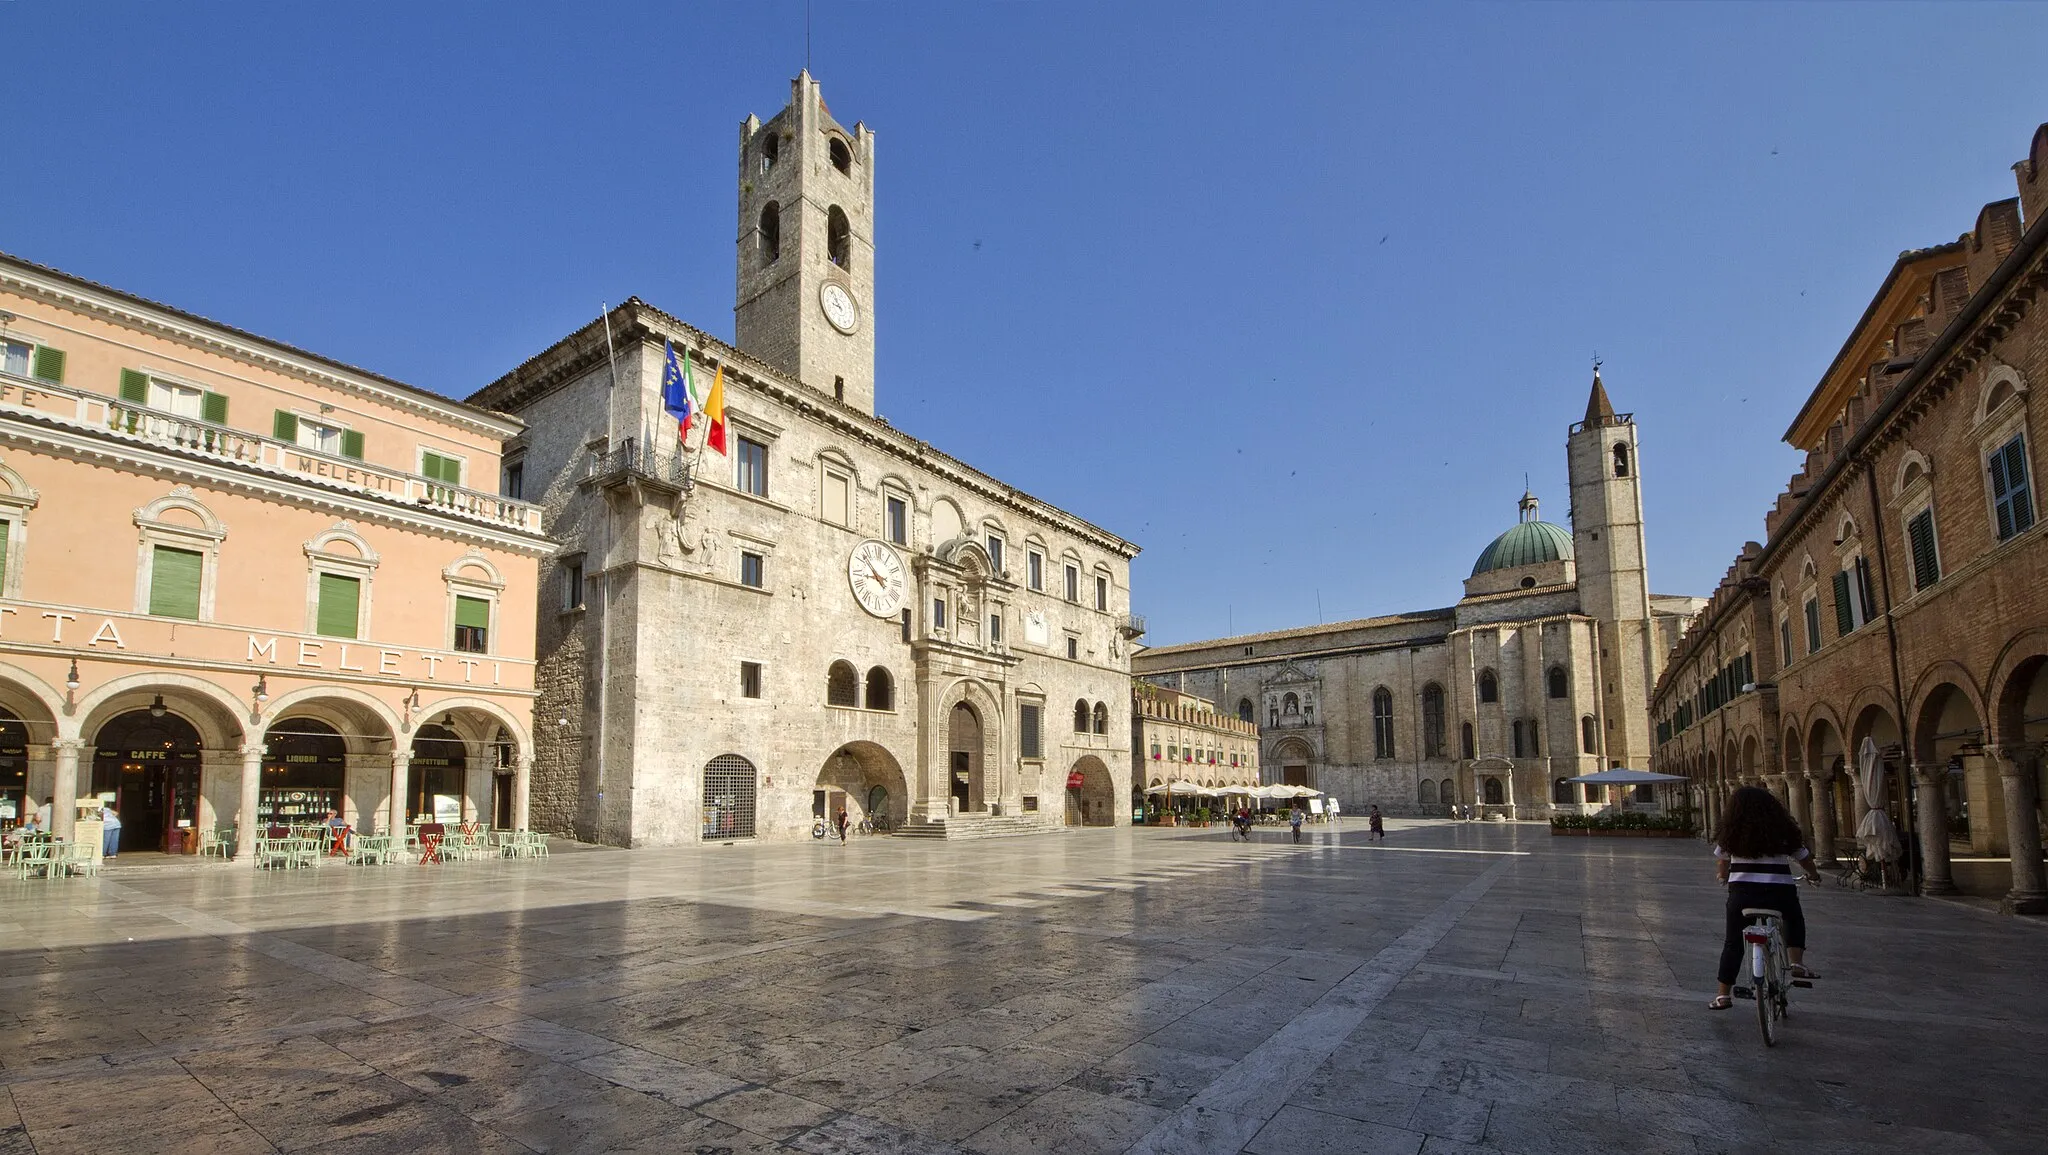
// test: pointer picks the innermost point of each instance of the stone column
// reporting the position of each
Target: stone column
(2016, 765)
(1935, 876)
(401, 763)
(1823, 819)
(522, 791)
(1800, 795)
(63, 789)
(246, 829)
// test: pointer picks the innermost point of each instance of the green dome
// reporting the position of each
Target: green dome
(1530, 543)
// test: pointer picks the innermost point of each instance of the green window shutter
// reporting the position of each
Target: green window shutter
(430, 465)
(2022, 498)
(451, 471)
(340, 599)
(352, 444)
(4, 527)
(284, 426)
(49, 364)
(474, 612)
(174, 582)
(1845, 617)
(213, 407)
(135, 386)
(1926, 566)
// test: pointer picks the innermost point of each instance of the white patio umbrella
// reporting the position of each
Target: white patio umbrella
(1626, 777)
(1879, 837)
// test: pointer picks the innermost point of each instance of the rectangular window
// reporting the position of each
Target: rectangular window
(838, 499)
(750, 679)
(897, 520)
(995, 628)
(1866, 597)
(1101, 593)
(750, 467)
(1029, 729)
(1812, 625)
(995, 552)
(174, 582)
(515, 480)
(1074, 649)
(1926, 563)
(472, 625)
(1034, 569)
(906, 625)
(572, 585)
(938, 613)
(2012, 499)
(750, 569)
(1785, 641)
(14, 357)
(433, 466)
(1845, 613)
(341, 600)
(1073, 583)
(28, 360)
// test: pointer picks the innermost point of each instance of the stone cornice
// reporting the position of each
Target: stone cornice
(635, 322)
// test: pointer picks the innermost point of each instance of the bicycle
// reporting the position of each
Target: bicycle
(1770, 971)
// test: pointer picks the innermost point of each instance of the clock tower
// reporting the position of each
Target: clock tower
(805, 299)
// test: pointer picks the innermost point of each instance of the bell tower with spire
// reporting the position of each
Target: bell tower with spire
(804, 299)
(1613, 581)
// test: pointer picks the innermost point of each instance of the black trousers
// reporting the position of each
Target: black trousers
(1777, 896)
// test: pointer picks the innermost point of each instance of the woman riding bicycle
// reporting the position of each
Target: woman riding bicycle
(1757, 846)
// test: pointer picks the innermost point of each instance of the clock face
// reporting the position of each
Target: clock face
(876, 575)
(839, 307)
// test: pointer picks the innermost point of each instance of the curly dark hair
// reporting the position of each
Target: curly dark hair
(1756, 825)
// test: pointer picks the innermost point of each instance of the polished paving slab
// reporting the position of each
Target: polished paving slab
(1462, 987)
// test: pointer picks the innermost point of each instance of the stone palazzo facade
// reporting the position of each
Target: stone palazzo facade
(828, 615)
(242, 584)
(1900, 593)
(1540, 673)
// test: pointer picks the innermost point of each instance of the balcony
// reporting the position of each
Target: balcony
(138, 426)
(634, 463)
(1131, 625)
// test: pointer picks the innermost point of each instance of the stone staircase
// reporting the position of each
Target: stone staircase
(956, 827)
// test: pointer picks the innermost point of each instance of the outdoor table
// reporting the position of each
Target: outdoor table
(340, 835)
(431, 836)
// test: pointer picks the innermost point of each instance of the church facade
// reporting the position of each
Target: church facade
(827, 615)
(1540, 672)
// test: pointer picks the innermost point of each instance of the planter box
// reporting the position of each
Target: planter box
(1592, 833)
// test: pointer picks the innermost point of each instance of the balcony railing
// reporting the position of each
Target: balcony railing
(634, 459)
(139, 424)
(1131, 625)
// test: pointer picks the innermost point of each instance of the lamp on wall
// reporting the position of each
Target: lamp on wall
(261, 689)
(71, 688)
(156, 707)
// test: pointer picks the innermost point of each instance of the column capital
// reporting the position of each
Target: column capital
(72, 746)
(2012, 754)
(1931, 771)
(1799, 776)
(252, 750)
(401, 757)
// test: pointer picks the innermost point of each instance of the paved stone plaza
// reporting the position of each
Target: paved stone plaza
(1462, 988)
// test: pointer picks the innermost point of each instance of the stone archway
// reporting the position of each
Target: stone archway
(149, 760)
(867, 781)
(1090, 793)
(2020, 727)
(1296, 762)
(965, 759)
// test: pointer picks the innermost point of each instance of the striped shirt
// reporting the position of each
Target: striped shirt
(1770, 868)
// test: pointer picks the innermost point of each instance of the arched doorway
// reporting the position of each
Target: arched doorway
(866, 781)
(305, 769)
(964, 758)
(1295, 760)
(14, 805)
(1089, 794)
(440, 762)
(2021, 728)
(1490, 789)
(1949, 798)
(149, 760)
(730, 786)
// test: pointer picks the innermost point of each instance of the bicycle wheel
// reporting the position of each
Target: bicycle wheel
(1767, 994)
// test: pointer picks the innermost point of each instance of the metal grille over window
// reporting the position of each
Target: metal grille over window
(842, 685)
(728, 798)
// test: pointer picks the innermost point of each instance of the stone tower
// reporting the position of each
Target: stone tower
(805, 289)
(1614, 585)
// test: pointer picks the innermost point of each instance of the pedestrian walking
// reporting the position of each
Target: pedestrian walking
(839, 820)
(110, 838)
(1379, 825)
(1294, 820)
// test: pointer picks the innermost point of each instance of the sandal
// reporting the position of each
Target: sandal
(1799, 971)
(1720, 1003)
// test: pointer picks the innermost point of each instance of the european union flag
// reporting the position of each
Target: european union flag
(675, 388)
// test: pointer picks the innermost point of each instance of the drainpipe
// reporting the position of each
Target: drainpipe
(1891, 645)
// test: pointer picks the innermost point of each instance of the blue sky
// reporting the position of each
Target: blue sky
(1292, 296)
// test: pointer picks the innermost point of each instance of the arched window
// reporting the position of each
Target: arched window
(838, 238)
(1432, 721)
(1081, 716)
(771, 151)
(1535, 743)
(842, 685)
(1517, 747)
(1489, 686)
(1493, 794)
(771, 233)
(842, 156)
(1426, 792)
(1289, 704)
(1101, 718)
(1589, 735)
(1559, 687)
(1446, 793)
(728, 798)
(1561, 792)
(1244, 709)
(1383, 723)
(881, 689)
(1465, 744)
(1620, 460)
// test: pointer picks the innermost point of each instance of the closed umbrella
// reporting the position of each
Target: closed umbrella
(1880, 839)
